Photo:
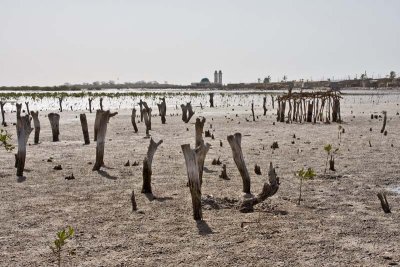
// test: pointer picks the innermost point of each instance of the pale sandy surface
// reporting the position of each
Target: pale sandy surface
(339, 223)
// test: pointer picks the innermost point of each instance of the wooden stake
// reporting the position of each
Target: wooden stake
(235, 143)
(147, 162)
(36, 124)
(54, 119)
(85, 130)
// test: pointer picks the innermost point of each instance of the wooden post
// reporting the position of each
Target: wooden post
(211, 100)
(184, 113)
(3, 121)
(201, 152)
(54, 119)
(97, 123)
(269, 189)
(104, 117)
(162, 109)
(101, 103)
(133, 201)
(194, 180)
(282, 109)
(309, 111)
(36, 124)
(252, 110)
(133, 120)
(235, 143)
(199, 125)
(147, 162)
(278, 112)
(23, 131)
(85, 130)
(272, 100)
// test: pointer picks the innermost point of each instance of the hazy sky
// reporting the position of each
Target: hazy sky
(53, 42)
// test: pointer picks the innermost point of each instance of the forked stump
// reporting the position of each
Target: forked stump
(133, 120)
(85, 130)
(36, 124)
(269, 189)
(54, 119)
(147, 162)
(235, 143)
(187, 112)
(384, 202)
(194, 180)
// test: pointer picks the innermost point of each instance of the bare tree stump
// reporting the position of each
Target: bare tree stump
(133, 120)
(141, 110)
(133, 201)
(104, 117)
(23, 131)
(199, 125)
(147, 162)
(147, 119)
(3, 120)
(162, 109)
(184, 113)
(252, 110)
(90, 104)
(257, 169)
(265, 105)
(194, 180)
(384, 202)
(85, 130)
(201, 152)
(54, 119)
(36, 124)
(235, 143)
(101, 103)
(211, 100)
(384, 121)
(97, 123)
(60, 100)
(27, 108)
(223, 174)
(269, 189)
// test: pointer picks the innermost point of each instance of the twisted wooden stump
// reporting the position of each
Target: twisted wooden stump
(269, 189)
(194, 180)
(235, 143)
(147, 162)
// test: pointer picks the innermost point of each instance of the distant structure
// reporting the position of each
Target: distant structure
(205, 82)
(220, 77)
(216, 77)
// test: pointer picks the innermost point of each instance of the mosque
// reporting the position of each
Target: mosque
(206, 81)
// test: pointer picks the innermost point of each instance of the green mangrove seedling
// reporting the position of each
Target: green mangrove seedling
(304, 175)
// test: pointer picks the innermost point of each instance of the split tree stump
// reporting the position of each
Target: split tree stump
(147, 162)
(235, 143)
(54, 119)
(194, 180)
(187, 112)
(85, 130)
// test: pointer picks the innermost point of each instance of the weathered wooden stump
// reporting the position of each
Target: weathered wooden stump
(133, 120)
(27, 108)
(310, 111)
(223, 174)
(23, 131)
(133, 201)
(257, 169)
(187, 112)
(90, 104)
(201, 152)
(54, 119)
(104, 117)
(141, 110)
(162, 110)
(3, 120)
(199, 125)
(384, 121)
(85, 129)
(384, 202)
(252, 111)
(101, 103)
(265, 105)
(60, 100)
(211, 100)
(147, 162)
(193, 180)
(269, 189)
(235, 143)
(36, 124)
(147, 119)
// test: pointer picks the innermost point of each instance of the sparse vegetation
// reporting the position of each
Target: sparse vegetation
(304, 175)
(59, 242)
(5, 139)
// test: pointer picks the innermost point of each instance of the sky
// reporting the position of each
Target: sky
(55, 42)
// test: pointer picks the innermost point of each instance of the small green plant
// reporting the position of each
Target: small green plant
(59, 242)
(304, 175)
(5, 138)
(330, 153)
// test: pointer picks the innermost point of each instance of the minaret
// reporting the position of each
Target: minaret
(216, 77)
(220, 77)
